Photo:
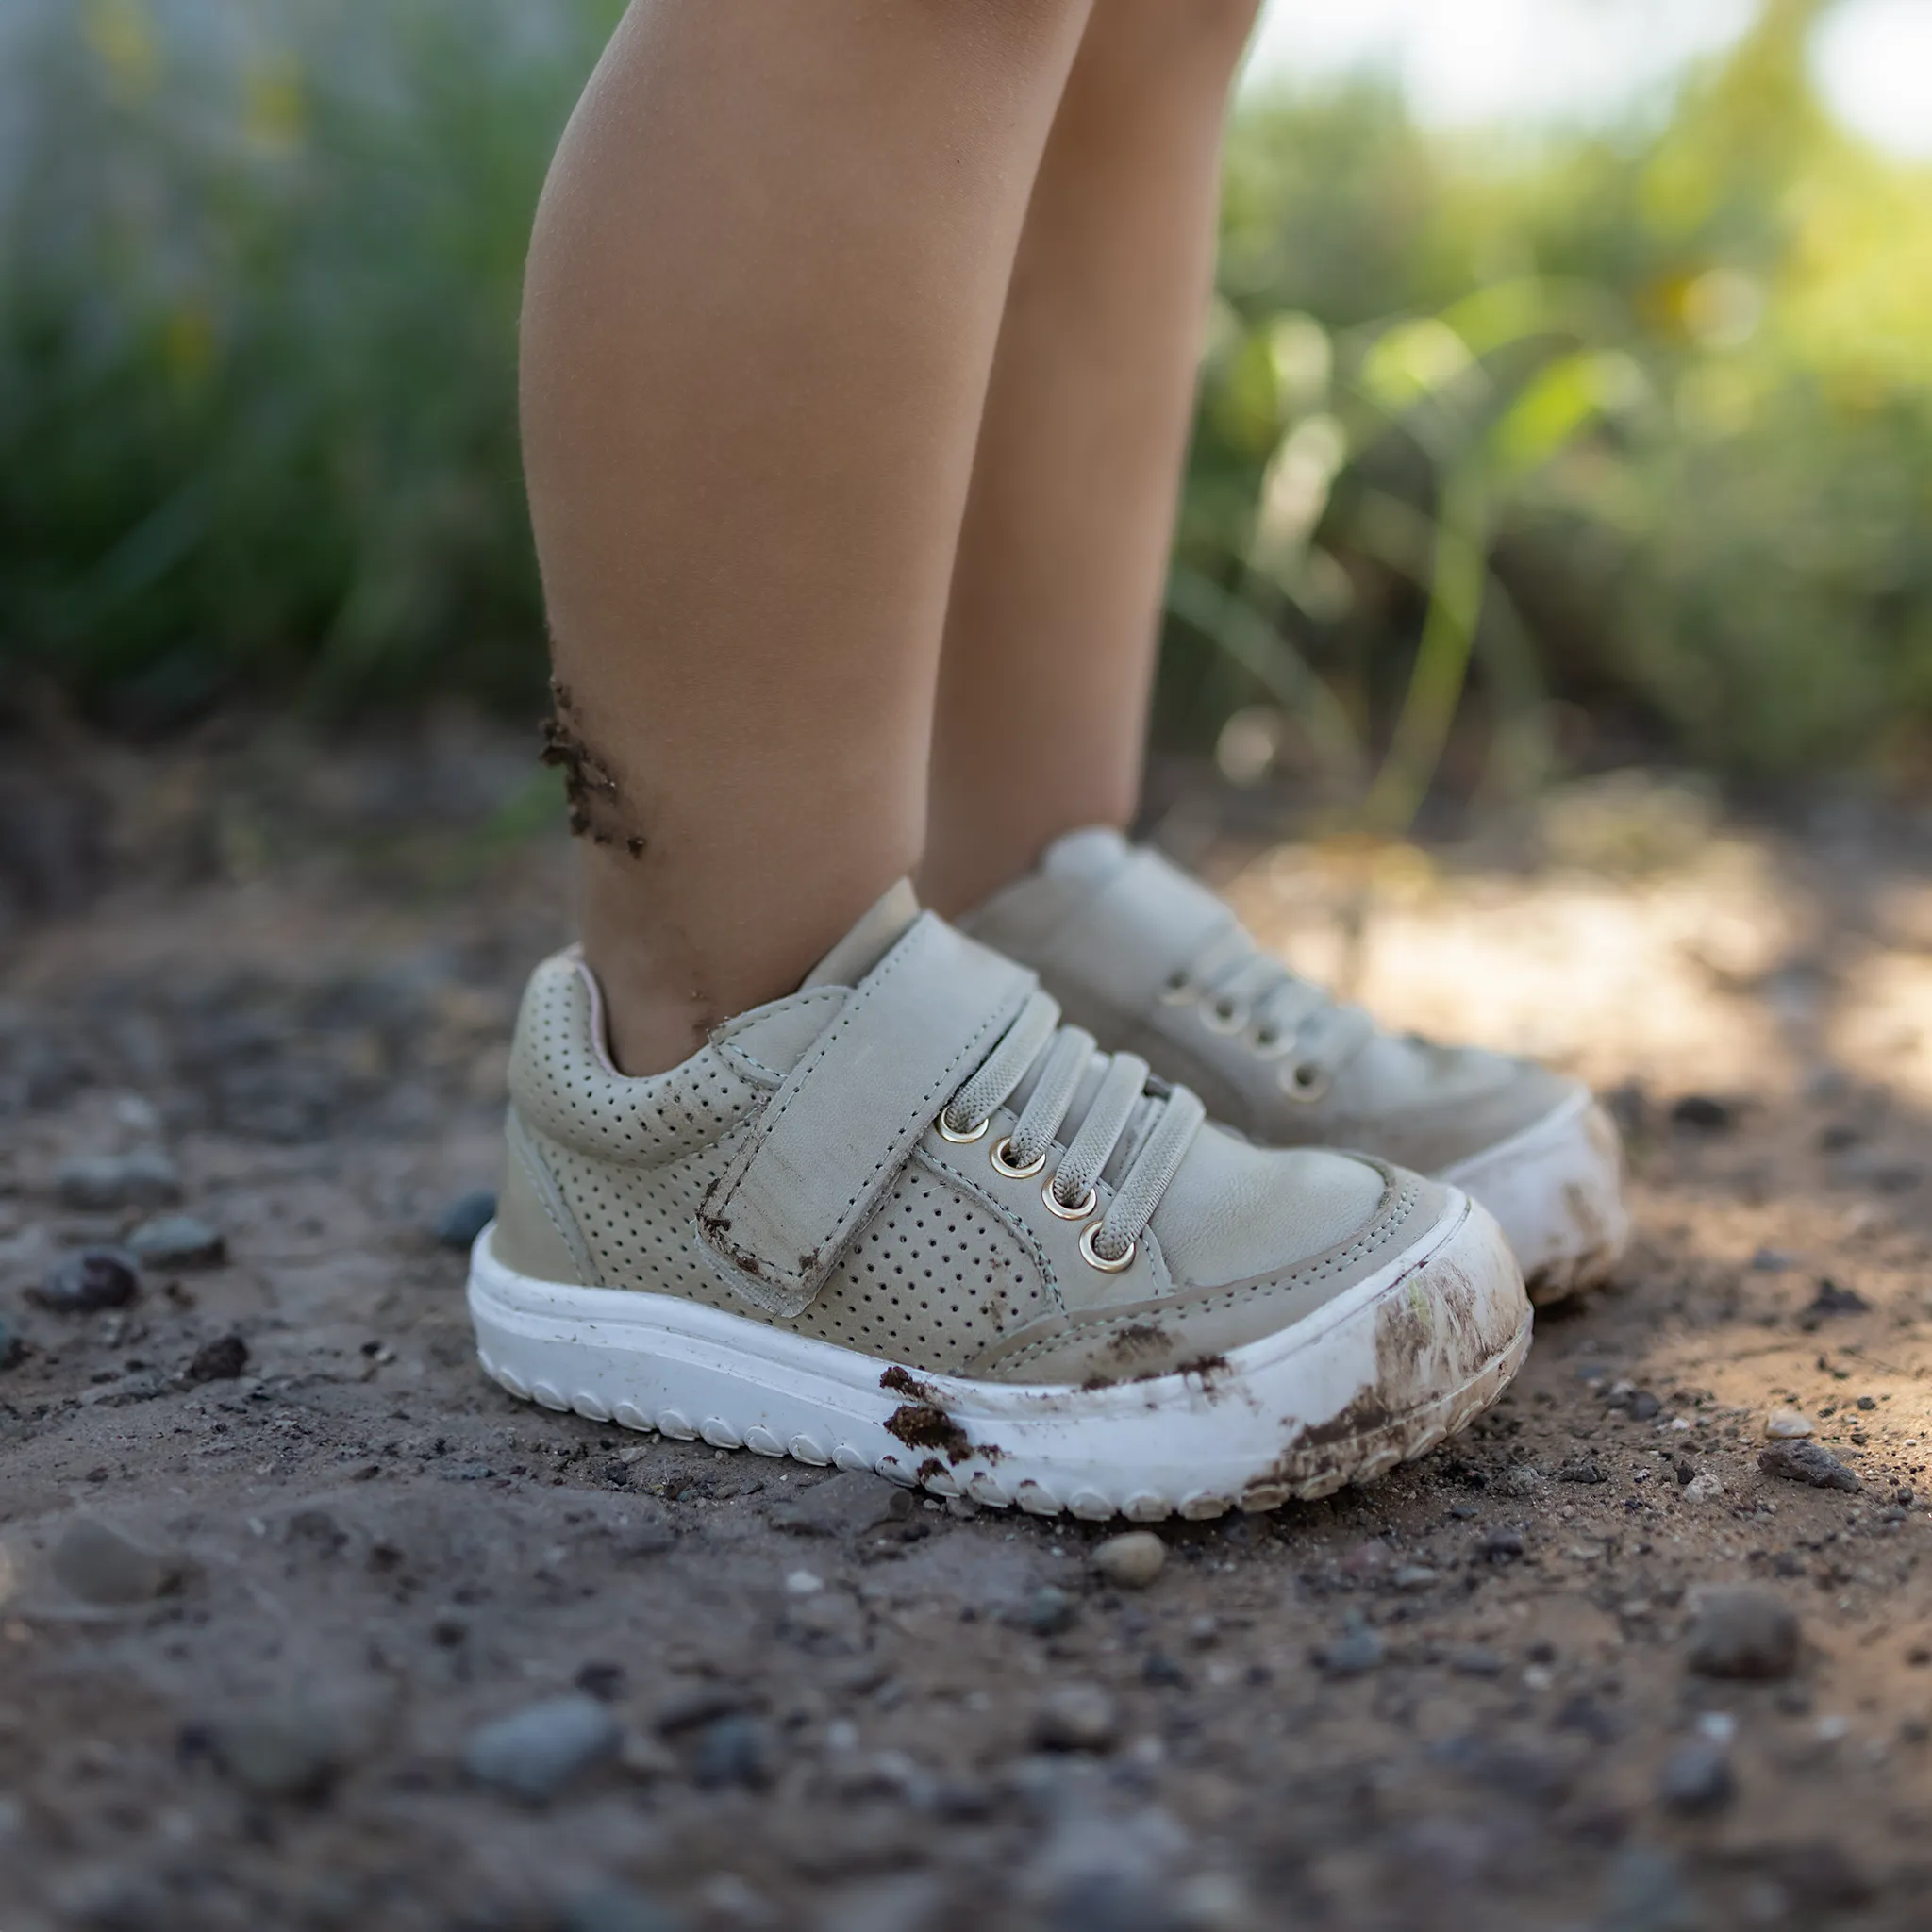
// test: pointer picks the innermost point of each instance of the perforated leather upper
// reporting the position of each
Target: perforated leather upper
(959, 1269)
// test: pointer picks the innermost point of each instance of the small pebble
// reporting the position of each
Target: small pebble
(851, 1501)
(1772, 1261)
(1353, 1655)
(1743, 1632)
(1077, 1717)
(1049, 1611)
(1414, 1577)
(1367, 1559)
(466, 1217)
(1696, 1778)
(283, 1749)
(1581, 1468)
(1645, 1892)
(1132, 1561)
(1703, 1111)
(616, 1908)
(178, 1241)
(220, 1360)
(1833, 1300)
(1474, 1660)
(1809, 1462)
(534, 1753)
(1784, 1424)
(734, 1750)
(1643, 1406)
(101, 1566)
(1518, 1480)
(1705, 1487)
(1502, 1545)
(146, 1179)
(94, 1278)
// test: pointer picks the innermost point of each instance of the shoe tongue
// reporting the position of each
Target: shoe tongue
(879, 929)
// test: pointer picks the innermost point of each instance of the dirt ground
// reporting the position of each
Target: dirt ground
(1462, 1697)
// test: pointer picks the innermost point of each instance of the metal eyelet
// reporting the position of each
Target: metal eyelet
(1304, 1081)
(948, 1132)
(1000, 1154)
(1056, 1205)
(1270, 1043)
(1178, 991)
(1095, 1258)
(1224, 1016)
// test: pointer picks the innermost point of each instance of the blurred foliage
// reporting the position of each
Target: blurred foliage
(257, 345)
(1513, 452)
(1624, 438)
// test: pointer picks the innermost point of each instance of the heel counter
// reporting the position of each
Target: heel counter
(535, 1233)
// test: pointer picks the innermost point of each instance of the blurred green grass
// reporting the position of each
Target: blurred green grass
(1513, 454)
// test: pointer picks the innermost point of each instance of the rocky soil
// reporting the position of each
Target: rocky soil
(304, 1624)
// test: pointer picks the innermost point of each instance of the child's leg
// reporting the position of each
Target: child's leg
(763, 298)
(1050, 636)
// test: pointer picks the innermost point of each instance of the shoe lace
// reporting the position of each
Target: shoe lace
(1148, 1124)
(1241, 989)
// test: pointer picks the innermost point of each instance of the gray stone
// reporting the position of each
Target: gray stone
(1645, 1892)
(462, 1220)
(95, 1278)
(735, 1750)
(220, 1360)
(1743, 1632)
(146, 1179)
(1474, 1660)
(1077, 1717)
(1696, 1778)
(1520, 1479)
(281, 1749)
(1414, 1578)
(1807, 1462)
(1353, 1655)
(1049, 1611)
(178, 1241)
(1132, 1561)
(849, 1503)
(534, 1753)
(99, 1565)
(616, 1908)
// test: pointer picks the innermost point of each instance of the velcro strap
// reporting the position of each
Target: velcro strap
(836, 1133)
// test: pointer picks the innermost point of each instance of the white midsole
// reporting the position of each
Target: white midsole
(1557, 1190)
(1281, 1415)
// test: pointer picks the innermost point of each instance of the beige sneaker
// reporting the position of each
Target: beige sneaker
(1154, 964)
(905, 1221)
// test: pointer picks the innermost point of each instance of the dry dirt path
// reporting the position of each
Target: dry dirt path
(1463, 1697)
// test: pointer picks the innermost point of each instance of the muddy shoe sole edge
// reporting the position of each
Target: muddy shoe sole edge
(1377, 1376)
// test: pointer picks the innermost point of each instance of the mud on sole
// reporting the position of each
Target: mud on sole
(1379, 1375)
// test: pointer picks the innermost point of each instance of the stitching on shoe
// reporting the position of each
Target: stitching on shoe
(544, 1186)
(775, 1111)
(1305, 1275)
(724, 1038)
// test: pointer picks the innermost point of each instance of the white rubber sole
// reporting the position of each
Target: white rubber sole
(1557, 1190)
(1380, 1375)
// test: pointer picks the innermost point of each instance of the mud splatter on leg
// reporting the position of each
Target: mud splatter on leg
(597, 807)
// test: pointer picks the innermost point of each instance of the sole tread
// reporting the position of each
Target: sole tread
(1355, 1461)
